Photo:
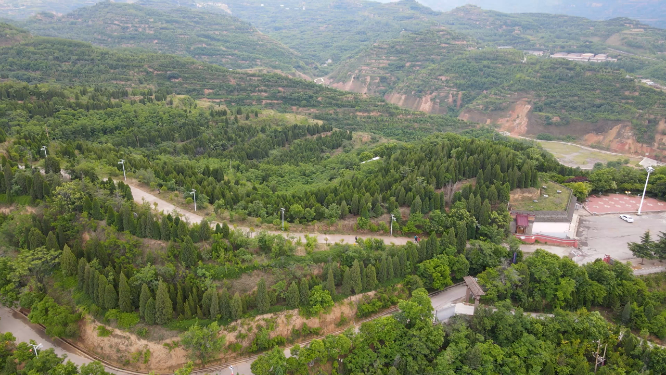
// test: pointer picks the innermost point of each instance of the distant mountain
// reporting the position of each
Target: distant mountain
(651, 12)
(211, 37)
(66, 62)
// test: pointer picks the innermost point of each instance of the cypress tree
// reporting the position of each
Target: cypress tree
(214, 306)
(236, 307)
(110, 297)
(188, 253)
(293, 296)
(163, 305)
(330, 282)
(355, 278)
(96, 210)
(371, 277)
(200, 314)
(346, 282)
(225, 304)
(389, 269)
(179, 301)
(68, 262)
(143, 299)
(305, 293)
(206, 302)
(149, 311)
(461, 240)
(263, 303)
(88, 287)
(124, 295)
(396, 267)
(81, 276)
(52, 242)
(110, 216)
(361, 270)
(484, 215)
(101, 290)
(225, 231)
(187, 313)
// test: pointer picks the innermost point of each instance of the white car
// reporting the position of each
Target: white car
(627, 218)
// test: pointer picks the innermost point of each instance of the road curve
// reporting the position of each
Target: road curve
(11, 321)
(141, 196)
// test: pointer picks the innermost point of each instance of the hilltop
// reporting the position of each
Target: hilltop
(211, 37)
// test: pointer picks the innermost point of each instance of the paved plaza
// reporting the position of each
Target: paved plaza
(622, 203)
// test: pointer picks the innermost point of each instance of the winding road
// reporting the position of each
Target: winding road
(141, 196)
(23, 330)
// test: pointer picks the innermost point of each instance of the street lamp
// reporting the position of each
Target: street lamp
(122, 161)
(35, 347)
(194, 192)
(392, 220)
(282, 209)
(43, 149)
(232, 369)
(649, 170)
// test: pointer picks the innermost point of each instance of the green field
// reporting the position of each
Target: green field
(577, 156)
(554, 202)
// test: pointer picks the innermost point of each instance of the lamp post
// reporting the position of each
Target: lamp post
(232, 369)
(35, 348)
(43, 149)
(194, 192)
(649, 170)
(282, 209)
(392, 220)
(122, 161)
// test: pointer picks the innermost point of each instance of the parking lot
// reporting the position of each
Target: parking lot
(622, 203)
(608, 234)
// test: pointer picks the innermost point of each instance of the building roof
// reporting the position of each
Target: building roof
(522, 220)
(473, 286)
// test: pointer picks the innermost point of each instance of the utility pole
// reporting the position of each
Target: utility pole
(122, 161)
(194, 192)
(649, 170)
(282, 209)
(392, 220)
(44, 149)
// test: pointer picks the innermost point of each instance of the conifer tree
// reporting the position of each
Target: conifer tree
(371, 277)
(330, 282)
(346, 282)
(68, 262)
(110, 216)
(179, 301)
(389, 269)
(304, 293)
(81, 275)
(225, 231)
(355, 278)
(101, 289)
(143, 299)
(110, 297)
(187, 312)
(263, 303)
(96, 210)
(188, 252)
(207, 301)
(52, 242)
(293, 296)
(215, 306)
(236, 307)
(149, 311)
(461, 240)
(124, 295)
(163, 305)
(225, 304)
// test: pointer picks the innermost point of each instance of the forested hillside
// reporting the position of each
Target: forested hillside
(211, 37)
(68, 62)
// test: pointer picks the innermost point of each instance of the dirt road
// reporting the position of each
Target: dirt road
(141, 196)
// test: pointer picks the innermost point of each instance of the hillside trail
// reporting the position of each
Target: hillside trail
(141, 196)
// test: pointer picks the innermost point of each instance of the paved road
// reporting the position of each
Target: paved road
(141, 195)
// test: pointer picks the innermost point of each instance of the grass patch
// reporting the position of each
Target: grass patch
(577, 156)
(554, 202)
